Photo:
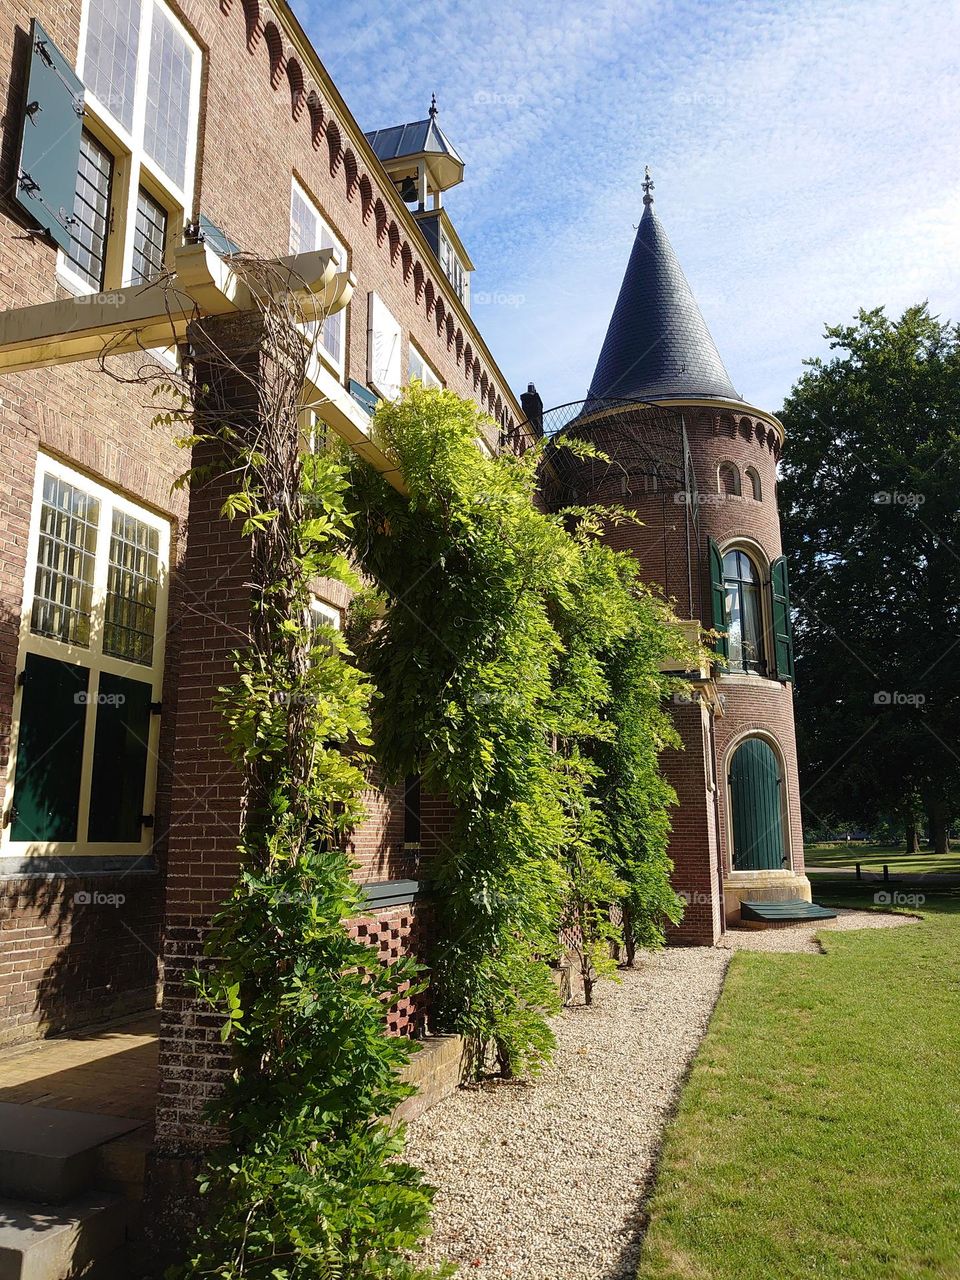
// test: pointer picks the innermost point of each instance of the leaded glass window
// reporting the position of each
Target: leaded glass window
(91, 212)
(744, 612)
(63, 590)
(149, 238)
(110, 55)
(132, 580)
(166, 125)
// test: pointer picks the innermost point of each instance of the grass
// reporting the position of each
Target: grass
(816, 1136)
(873, 856)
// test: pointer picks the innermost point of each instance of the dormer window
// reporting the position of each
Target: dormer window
(454, 269)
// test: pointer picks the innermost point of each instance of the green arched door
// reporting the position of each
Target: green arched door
(757, 808)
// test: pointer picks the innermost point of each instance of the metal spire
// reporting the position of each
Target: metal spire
(433, 106)
(647, 186)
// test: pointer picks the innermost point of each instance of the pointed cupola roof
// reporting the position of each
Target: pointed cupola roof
(658, 346)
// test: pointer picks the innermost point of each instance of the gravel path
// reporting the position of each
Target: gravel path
(546, 1181)
(803, 937)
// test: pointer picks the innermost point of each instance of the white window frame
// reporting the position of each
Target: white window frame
(326, 238)
(94, 660)
(384, 348)
(132, 167)
(329, 613)
(429, 377)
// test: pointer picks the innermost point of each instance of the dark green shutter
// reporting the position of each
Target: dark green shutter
(757, 811)
(53, 709)
(782, 626)
(717, 603)
(50, 142)
(119, 759)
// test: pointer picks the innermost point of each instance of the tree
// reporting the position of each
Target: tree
(870, 504)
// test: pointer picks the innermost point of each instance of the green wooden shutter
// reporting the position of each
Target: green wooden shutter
(50, 142)
(782, 626)
(53, 710)
(119, 759)
(717, 598)
(757, 810)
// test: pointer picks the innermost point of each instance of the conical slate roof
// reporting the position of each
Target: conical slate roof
(658, 346)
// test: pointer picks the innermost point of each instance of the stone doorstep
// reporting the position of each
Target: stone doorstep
(83, 1238)
(50, 1155)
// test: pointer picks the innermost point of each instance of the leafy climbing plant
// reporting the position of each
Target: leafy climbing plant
(495, 657)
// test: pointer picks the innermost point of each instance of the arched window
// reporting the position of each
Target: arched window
(753, 475)
(744, 610)
(728, 478)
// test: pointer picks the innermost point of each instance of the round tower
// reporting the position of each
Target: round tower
(698, 466)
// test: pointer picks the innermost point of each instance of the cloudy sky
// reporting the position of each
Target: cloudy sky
(805, 157)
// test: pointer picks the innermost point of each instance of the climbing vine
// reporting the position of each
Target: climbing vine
(495, 661)
(309, 1180)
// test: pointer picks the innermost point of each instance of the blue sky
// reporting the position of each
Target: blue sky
(805, 157)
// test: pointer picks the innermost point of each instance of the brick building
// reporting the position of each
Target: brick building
(698, 467)
(144, 144)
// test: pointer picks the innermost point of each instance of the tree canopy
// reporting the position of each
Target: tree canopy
(870, 505)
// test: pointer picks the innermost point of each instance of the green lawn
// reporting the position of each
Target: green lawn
(818, 1133)
(873, 856)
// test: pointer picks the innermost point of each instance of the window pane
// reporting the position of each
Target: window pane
(91, 212)
(149, 238)
(63, 587)
(751, 629)
(53, 710)
(110, 55)
(168, 98)
(119, 759)
(132, 580)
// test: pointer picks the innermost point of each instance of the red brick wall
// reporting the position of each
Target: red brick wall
(255, 138)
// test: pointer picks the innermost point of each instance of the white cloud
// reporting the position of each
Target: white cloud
(804, 155)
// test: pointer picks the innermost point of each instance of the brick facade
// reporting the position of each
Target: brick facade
(268, 113)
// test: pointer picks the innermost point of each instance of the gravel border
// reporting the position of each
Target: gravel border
(546, 1181)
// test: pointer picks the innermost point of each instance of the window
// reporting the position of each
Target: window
(141, 72)
(729, 480)
(384, 342)
(755, 489)
(308, 231)
(454, 270)
(744, 612)
(412, 823)
(421, 370)
(90, 672)
(149, 238)
(322, 613)
(87, 254)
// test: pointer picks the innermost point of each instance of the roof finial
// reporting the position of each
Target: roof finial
(433, 106)
(647, 186)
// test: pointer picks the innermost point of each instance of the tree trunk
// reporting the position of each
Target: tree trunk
(939, 836)
(912, 836)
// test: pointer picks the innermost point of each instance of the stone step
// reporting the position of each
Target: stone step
(51, 1155)
(85, 1238)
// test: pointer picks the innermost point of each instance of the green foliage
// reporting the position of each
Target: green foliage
(870, 513)
(494, 663)
(311, 1180)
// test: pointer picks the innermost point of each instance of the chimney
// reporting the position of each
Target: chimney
(533, 408)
